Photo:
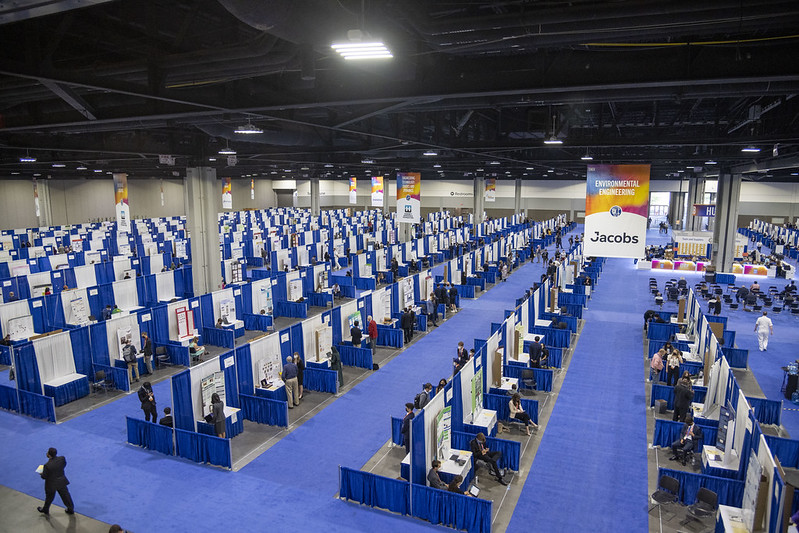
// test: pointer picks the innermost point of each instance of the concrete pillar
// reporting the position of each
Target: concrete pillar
(696, 194)
(726, 221)
(517, 203)
(479, 199)
(315, 197)
(203, 201)
(676, 209)
(45, 207)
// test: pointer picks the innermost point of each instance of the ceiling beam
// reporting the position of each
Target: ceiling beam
(69, 96)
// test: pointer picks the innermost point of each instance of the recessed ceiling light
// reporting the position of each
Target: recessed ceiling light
(750, 149)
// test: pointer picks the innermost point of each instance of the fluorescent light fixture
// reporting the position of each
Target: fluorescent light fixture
(328, 165)
(794, 173)
(27, 159)
(227, 150)
(355, 49)
(15, 173)
(750, 149)
(436, 166)
(36, 175)
(98, 170)
(587, 157)
(478, 170)
(553, 140)
(58, 165)
(550, 171)
(529, 168)
(710, 162)
(494, 163)
(367, 161)
(81, 168)
(430, 153)
(211, 159)
(248, 129)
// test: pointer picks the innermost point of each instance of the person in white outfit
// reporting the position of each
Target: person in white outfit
(763, 328)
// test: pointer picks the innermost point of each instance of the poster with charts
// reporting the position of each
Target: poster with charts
(21, 328)
(477, 391)
(123, 334)
(295, 290)
(443, 430)
(213, 383)
(80, 313)
(227, 311)
(406, 285)
(324, 343)
(269, 369)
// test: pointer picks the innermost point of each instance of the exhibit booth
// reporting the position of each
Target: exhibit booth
(225, 305)
(107, 338)
(258, 305)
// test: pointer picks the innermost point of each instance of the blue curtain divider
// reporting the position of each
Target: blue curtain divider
(265, 410)
(118, 375)
(292, 309)
(418, 473)
(320, 379)
(244, 369)
(730, 491)
(736, 357)
(8, 398)
(667, 431)
(257, 322)
(352, 356)
(543, 376)
(766, 411)
(182, 411)
(666, 392)
(388, 336)
(786, 450)
(511, 450)
(150, 435)
(451, 509)
(501, 404)
(37, 405)
(225, 338)
(555, 337)
(203, 448)
(373, 490)
(5, 355)
(661, 332)
(396, 430)
(27, 369)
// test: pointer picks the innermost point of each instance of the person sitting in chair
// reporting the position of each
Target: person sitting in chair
(481, 452)
(689, 436)
(517, 412)
(196, 352)
(751, 299)
(432, 476)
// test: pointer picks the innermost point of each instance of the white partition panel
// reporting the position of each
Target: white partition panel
(54, 357)
(125, 295)
(85, 276)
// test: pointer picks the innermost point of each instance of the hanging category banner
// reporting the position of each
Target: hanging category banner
(704, 210)
(121, 201)
(227, 194)
(409, 205)
(491, 190)
(353, 190)
(36, 198)
(162, 193)
(377, 191)
(616, 209)
(252, 188)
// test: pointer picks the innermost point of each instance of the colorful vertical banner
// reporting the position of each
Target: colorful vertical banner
(353, 190)
(377, 191)
(227, 194)
(409, 185)
(162, 193)
(616, 209)
(491, 190)
(252, 188)
(36, 198)
(121, 201)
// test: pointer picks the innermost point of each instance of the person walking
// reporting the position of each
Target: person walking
(763, 327)
(147, 399)
(55, 480)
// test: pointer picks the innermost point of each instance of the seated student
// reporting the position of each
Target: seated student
(432, 476)
(689, 435)
(116, 310)
(196, 352)
(167, 418)
(751, 299)
(455, 486)
(559, 325)
(336, 291)
(518, 412)
(481, 452)
(105, 314)
(220, 324)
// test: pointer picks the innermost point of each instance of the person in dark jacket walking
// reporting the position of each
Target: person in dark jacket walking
(147, 399)
(55, 481)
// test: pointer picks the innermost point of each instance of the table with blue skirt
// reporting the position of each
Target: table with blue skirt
(67, 388)
(234, 424)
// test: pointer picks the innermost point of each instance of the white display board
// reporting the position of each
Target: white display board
(80, 311)
(227, 311)
(123, 334)
(295, 290)
(406, 292)
(266, 360)
(262, 294)
(21, 327)
(443, 432)
(210, 384)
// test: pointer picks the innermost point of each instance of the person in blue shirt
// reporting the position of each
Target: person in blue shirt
(290, 374)
(105, 314)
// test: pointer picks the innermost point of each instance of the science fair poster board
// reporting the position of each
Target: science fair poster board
(266, 360)
(443, 431)
(351, 318)
(477, 391)
(295, 290)
(80, 315)
(123, 334)
(406, 286)
(21, 327)
(213, 383)
(324, 343)
(616, 210)
(184, 318)
(264, 299)
(227, 311)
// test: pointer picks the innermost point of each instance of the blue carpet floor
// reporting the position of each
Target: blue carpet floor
(292, 484)
(590, 471)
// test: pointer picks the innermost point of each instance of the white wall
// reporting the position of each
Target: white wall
(16, 205)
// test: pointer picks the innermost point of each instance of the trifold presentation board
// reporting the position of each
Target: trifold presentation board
(264, 299)
(21, 327)
(406, 292)
(324, 343)
(80, 314)
(443, 429)
(214, 383)
(227, 311)
(295, 290)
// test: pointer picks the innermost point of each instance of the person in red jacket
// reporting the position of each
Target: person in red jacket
(372, 328)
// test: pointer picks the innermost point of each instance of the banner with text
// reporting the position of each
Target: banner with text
(252, 188)
(162, 193)
(121, 201)
(377, 191)
(227, 194)
(704, 210)
(409, 205)
(353, 190)
(616, 209)
(491, 190)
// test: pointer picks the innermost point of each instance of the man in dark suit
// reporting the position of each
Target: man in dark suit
(536, 352)
(405, 429)
(683, 396)
(481, 452)
(461, 357)
(689, 435)
(406, 322)
(55, 481)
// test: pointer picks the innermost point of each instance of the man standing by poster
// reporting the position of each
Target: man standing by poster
(129, 356)
(372, 328)
(289, 376)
